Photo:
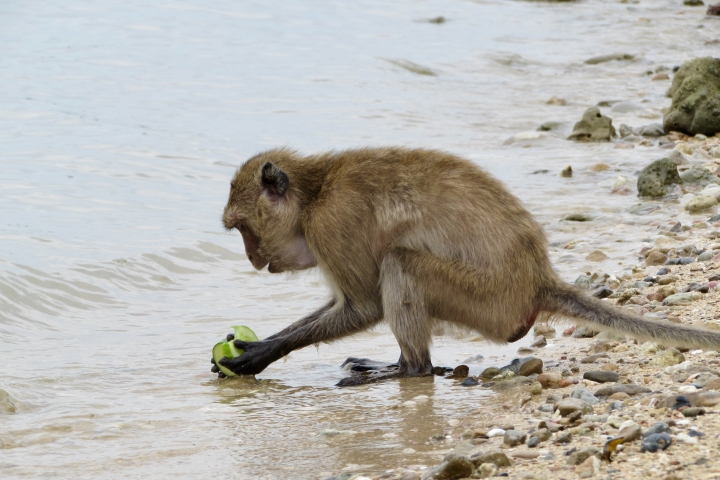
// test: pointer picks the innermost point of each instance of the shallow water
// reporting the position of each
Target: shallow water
(121, 124)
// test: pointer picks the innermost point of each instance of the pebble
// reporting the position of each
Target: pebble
(594, 358)
(486, 470)
(549, 380)
(564, 437)
(533, 442)
(616, 405)
(588, 468)
(681, 401)
(454, 466)
(470, 382)
(536, 388)
(584, 394)
(659, 427)
(495, 432)
(576, 458)
(687, 439)
(693, 412)
(566, 406)
(680, 367)
(668, 358)
(542, 434)
(539, 341)
(708, 399)
(630, 432)
(657, 441)
(687, 389)
(601, 376)
(490, 372)
(513, 438)
(495, 457)
(602, 292)
(680, 261)
(630, 388)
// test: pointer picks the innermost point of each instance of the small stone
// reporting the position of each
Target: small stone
(576, 458)
(578, 217)
(539, 341)
(681, 401)
(496, 457)
(667, 358)
(566, 406)
(601, 376)
(630, 388)
(513, 438)
(583, 332)
(584, 394)
(495, 432)
(693, 412)
(549, 380)
(588, 468)
(659, 427)
(616, 405)
(486, 470)
(657, 441)
(536, 388)
(594, 358)
(470, 382)
(596, 256)
(678, 299)
(655, 258)
(564, 437)
(602, 292)
(708, 399)
(700, 203)
(655, 178)
(594, 126)
(565, 382)
(556, 101)
(619, 396)
(454, 467)
(461, 371)
(567, 172)
(542, 434)
(490, 372)
(630, 432)
(533, 442)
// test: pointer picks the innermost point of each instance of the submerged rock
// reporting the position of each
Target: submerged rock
(698, 175)
(654, 178)
(594, 126)
(453, 468)
(609, 58)
(700, 203)
(695, 95)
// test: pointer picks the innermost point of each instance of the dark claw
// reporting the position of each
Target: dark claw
(212, 360)
(230, 337)
(215, 369)
(221, 375)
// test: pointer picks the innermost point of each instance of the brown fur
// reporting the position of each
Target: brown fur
(406, 235)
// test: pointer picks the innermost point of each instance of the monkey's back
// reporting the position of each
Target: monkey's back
(434, 202)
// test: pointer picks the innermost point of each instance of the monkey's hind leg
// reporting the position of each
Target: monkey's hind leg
(404, 310)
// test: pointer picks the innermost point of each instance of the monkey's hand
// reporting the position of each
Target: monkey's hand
(255, 358)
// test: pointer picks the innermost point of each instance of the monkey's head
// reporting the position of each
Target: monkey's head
(265, 207)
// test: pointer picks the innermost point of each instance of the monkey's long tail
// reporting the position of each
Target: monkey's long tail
(569, 301)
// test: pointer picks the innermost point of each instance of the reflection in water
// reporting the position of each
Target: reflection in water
(120, 128)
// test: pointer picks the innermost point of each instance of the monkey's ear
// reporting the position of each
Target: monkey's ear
(274, 179)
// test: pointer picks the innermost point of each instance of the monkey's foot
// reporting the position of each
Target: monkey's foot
(366, 365)
(374, 377)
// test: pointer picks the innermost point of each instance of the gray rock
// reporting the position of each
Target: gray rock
(698, 175)
(594, 126)
(524, 366)
(496, 457)
(490, 372)
(513, 438)
(693, 412)
(706, 256)
(584, 394)
(678, 299)
(652, 130)
(629, 388)
(583, 281)
(657, 441)
(583, 332)
(616, 405)
(602, 292)
(659, 427)
(601, 376)
(654, 178)
(625, 131)
(533, 442)
(453, 468)
(539, 341)
(695, 95)
(576, 458)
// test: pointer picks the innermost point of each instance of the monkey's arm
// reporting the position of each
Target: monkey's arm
(324, 325)
(303, 321)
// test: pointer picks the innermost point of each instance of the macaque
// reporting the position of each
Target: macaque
(410, 237)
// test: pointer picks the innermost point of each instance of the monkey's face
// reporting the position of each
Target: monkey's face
(266, 212)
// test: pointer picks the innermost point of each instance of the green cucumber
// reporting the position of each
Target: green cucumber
(227, 349)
